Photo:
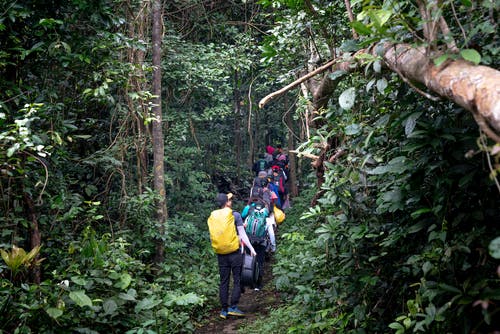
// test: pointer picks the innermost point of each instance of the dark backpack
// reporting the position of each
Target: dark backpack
(257, 190)
(256, 223)
(261, 165)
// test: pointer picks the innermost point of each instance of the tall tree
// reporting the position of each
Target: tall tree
(158, 141)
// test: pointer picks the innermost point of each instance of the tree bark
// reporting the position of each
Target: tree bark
(35, 235)
(158, 143)
(292, 184)
(237, 125)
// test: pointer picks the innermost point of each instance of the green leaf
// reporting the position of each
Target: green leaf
(187, 299)
(418, 213)
(441, 59)
(381, 85)
(80, 298)
(360, 28)
(411, 122)
(396, 325)
(53, 312)
(494, 248)
(146, 304)
(419, 226)
(471, 55)
(124, 282)
(347, 98)
(13, 149)
(78, 280)
(426, 267)
(352, 129)
(109, 306)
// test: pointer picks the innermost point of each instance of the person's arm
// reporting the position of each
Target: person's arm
(242, 234)
(246, 241)
(244, 213)
(272, 237)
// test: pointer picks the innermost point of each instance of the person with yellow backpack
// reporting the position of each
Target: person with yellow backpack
(226, 233)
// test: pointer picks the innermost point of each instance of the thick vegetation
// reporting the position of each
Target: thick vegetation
(400, 235)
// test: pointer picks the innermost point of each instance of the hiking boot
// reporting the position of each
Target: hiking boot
(235, 311)
(223, 314)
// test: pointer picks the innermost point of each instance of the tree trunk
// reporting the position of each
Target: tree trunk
(292, 183)
(237, 126)
(35, 235)
(158, 142)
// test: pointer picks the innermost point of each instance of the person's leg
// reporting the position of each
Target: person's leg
(236, 260)
(261, 253)
(224, 273)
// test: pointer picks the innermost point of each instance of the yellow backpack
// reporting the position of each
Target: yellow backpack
(223, 231)
(279, 215)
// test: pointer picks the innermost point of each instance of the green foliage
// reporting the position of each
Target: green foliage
(105, 289)
(404, 215)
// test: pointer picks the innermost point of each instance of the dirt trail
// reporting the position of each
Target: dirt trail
(255, 304)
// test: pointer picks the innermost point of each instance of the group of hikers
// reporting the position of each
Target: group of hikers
(233, 235)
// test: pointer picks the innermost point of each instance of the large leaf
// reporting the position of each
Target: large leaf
(381, 85)
(411, 122)
(360, 28)
(494, 248)
(147, 304)
(352, 129)
(347, 98)
(80, 298)
(124, 282)
(53, 312)
(471, 55)
(109, 306)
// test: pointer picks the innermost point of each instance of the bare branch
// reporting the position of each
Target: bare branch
(294, 84)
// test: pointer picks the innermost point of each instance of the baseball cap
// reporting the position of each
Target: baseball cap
(223, 198)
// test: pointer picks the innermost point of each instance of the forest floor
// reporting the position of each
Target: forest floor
(255, 304)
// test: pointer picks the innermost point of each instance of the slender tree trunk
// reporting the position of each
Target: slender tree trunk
(35, 235)
(158, 142)
(292, 164)
(237, 126)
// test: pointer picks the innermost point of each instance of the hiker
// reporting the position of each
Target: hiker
(269, 154)
(260, 165)
(258, 230)
(261, 190)
(226, 230)
(281, 160)
(278, 179)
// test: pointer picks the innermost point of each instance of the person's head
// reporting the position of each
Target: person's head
(261, 156)
(276, 169)
(264, 182)
(262, 174)
(279, 148)
(224, 200)
(269, 149)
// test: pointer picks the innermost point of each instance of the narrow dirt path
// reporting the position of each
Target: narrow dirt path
(255, 304)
